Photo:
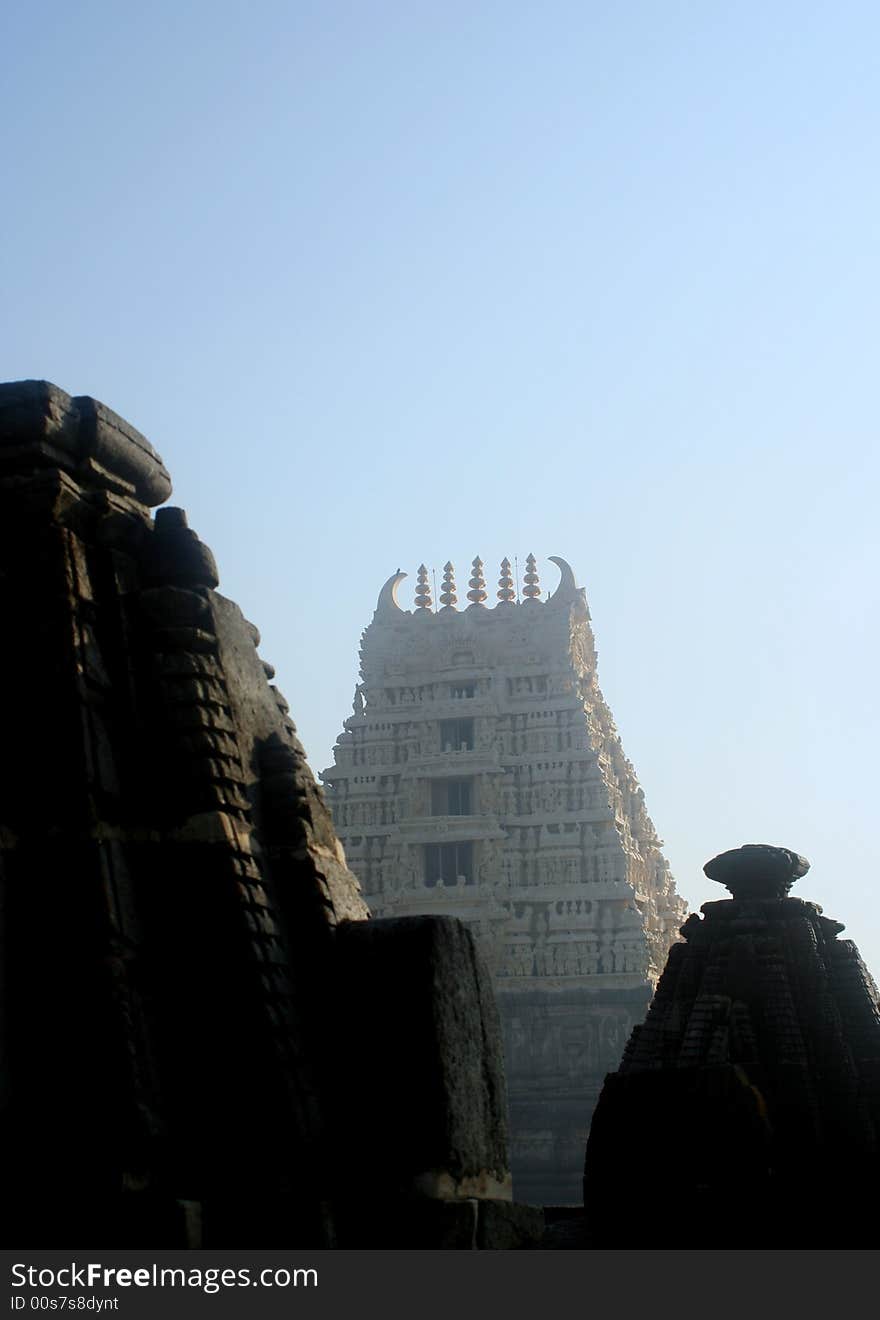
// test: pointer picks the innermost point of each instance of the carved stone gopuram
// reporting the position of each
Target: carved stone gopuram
(746, 1110)
(481, 775)
(195, 1044)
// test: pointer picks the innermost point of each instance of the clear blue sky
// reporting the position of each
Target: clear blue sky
(393, 282)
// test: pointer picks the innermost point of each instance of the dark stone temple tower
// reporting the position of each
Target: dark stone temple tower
(185, 956)
(746, 1110)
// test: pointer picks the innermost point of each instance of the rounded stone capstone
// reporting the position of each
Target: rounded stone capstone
(43, 426)
(757, 870)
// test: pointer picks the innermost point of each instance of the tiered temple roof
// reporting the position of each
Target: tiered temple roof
(746, 1109)
(481, 773)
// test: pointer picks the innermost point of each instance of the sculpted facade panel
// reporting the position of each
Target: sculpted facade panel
(544, 846)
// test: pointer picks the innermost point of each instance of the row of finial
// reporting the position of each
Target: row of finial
(477, 583)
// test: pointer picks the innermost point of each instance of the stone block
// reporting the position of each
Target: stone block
(507, 1226)
(421, 1063)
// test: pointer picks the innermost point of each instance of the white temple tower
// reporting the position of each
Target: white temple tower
(481, 775)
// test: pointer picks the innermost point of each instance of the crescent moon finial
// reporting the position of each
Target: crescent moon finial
(388, 602)
(567, 588)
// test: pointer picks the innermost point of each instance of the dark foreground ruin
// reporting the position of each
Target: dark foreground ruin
(746, 1109)
(187, 967)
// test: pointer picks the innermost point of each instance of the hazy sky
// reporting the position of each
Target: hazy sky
(393, 282)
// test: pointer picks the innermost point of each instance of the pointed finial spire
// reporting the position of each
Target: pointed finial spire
(423, 590)
(532, 587)
(505, 582)
(477, 584)
(447, 595)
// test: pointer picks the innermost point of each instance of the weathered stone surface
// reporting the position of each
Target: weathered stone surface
(440, 1055)
(120, 449)
(757, 870)
(504, 1226)
(33, 412)
(41, 426)
(177, 556)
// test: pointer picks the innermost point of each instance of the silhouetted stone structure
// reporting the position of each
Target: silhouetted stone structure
(188, 973)
(746, 1110)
